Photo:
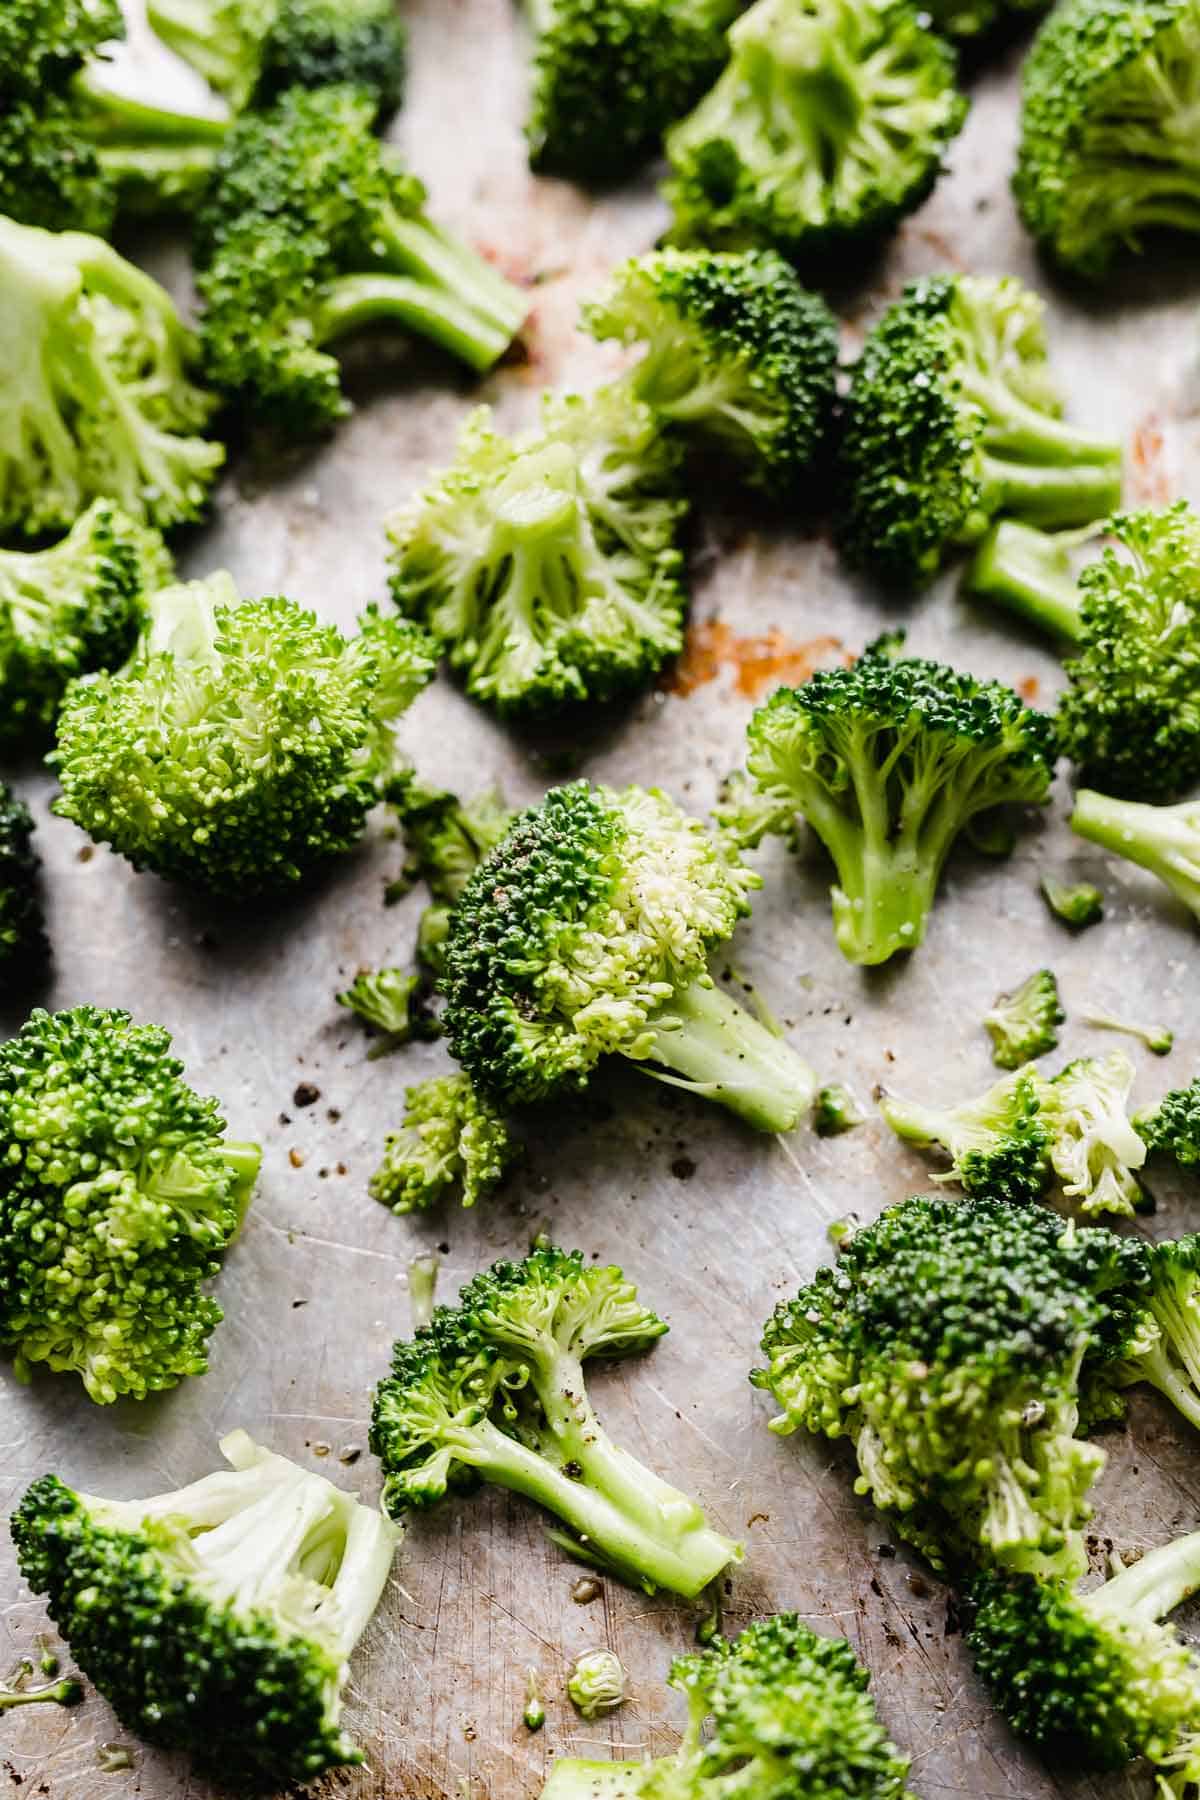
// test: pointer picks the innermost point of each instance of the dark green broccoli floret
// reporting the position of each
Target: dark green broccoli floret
(1163, 839)
(94, 363)
(1023, 1025)
(775, 1713)
(1173, 1125)
(390, 1000)
(835, 1111)
(1078, 904)
(493, 1389)
(548, 566)
(953, 420)
(245, 742)
(42, 42)
(71, 609)
(829, 123)
(251, 50)
(23, 945)
(586, 933)
(451, 1137)
(609, 77)
(308, 231)
(947, 1343)
(737, 354)
(888, 761)
(961, 19)
(218, 1619)
(1108, 128)
(118, 1194)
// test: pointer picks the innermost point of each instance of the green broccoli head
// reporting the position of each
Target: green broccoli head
(586, 932)
(1163, 839)
(118, 1194)
(963, 19)
(888, 761)
(451, 1137)
(1173, 1126)
(953, 419)
(251, 50)
(217, 1620)
(1078, 903)
(1023, 1025)
(69, 610)
(493, 1389)
(998, 1145)
(787, 1712)
(548, 567)
(245, 742)
(737, 354)
(828, 124)
(1108, 139)
(1166, 1349)
(50, 175)
(24, 948)
(310, 230)
(947, 1343)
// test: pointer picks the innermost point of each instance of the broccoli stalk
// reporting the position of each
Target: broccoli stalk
(1163, 839)
(1029, 572)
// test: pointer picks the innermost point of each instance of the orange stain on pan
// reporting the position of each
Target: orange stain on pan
(757, 663)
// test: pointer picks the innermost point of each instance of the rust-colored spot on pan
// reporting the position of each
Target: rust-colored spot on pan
(757, 663)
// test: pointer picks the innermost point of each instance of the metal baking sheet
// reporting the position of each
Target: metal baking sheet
(714, 1223)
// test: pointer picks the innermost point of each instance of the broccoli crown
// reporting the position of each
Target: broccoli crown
(609, 78)
(1023, 1025)
(828, 124)
(1173, 1125)
(1163, 839)
(947, 1342)
(1130, 718)
(216, 1620)
(118, 1193)
(737, 352)
(447, 838)
(888, 760)
(50, 175)
(548, 567)
(71, 609)
(23, 944)
(962, 19)
(94, 365)
(451, 1136)
(251, 52)
(245, 742)
(1078, 904)
(1108, 142)
(999, 1144)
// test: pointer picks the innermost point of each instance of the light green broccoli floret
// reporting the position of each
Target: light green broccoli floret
(1078, 904)
(388, 999)
(1023, 1025)
(596, 1684)
(451, 1136)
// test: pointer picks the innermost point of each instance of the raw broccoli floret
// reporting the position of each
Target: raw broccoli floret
(310, 230)
(835, 1111)
(1095, 1679)
(118, 1194)
(548, 566)
(94, 366)
(245, 742)
(1165, 1347)
(1023, 1025)
(251, 50)
(1108, 146)
(888, 761)
(1158, 1039)
(587, 932)
(43, 42)
(1173, 1125)
(962, 19)
(1078, 904)
(610, 77)
(597, 1683)
(829, 123)
(493, 1389)
(23, 945)
(1163, 839)
(737, 355)
(952, 421)
(218, 1619)
(446, 839)
(947, 1343)
(452, 1136)
(1095, 1148)
(790, 1714)
(70, 609)
(391, 1002)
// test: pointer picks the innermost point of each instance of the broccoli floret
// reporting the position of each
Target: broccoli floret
(1158, 1039)
(548, 566)
(43, 42)
(790, 1715)
(587, 932)
(446, 839)
(1078, 904)
(452, 1136)
(94, 364)
(493, 1389)
(1108, 140)
(70, 609)
(835, 1111)
(1173, 1125)
(308, 231)
(737, 354)
(609, 78)
(1023, 1025)
(68, 1692)
(534, 1715)
(118, 1194)
(829, 123)
(1165, 1349)
(218, 1619)
(245, 742)
(947, 1343)
(389, 1000)
(597, 1683)
(24, 948)
(888, 761)
(963, 19)
(1163, 839)
(251, 50)
(952, 421)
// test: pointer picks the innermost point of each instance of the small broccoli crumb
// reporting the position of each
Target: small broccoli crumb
(1078, 904)
(534, 1716)
(1023, 1025)
(1157, 1038)
(596, 1683)
(388, 1000)
(835, 1110)
(68, 1692)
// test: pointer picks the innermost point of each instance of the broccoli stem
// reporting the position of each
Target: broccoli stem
(720, 1050)
(1163, 839)
(1028, 572)
(571, 1778)
(1050, 496)
(244, 1161)
(1158, 1367)
(1152, 1587)
(113, 118)
(63, 1693)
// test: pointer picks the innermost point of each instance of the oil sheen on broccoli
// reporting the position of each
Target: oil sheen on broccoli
(451, 1137)
(251, 50)
(1163, 839)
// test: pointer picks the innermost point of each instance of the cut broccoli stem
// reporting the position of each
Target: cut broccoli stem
(1046, 495)
(113, 117)
(1028, 571)
(1153, 1586)
(572, 1778)
(721, 1051)
(63, 1693)
(1160, 1367)
(1163, 839)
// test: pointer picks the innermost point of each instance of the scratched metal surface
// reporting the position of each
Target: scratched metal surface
(714, 1223)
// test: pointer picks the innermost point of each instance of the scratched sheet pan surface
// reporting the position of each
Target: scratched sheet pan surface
(714, 1223)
